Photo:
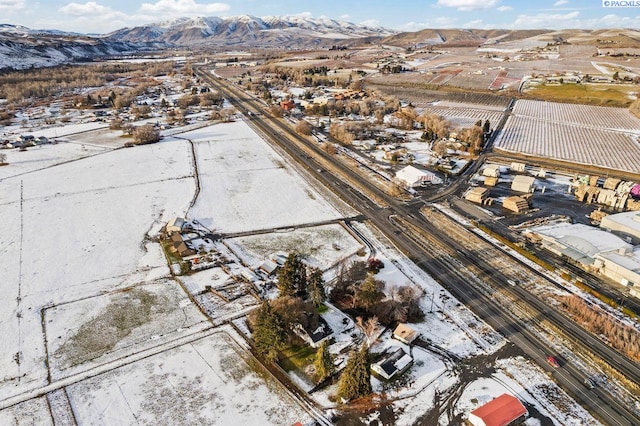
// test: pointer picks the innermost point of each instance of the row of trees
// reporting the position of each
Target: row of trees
(623, 337)
(47, 82)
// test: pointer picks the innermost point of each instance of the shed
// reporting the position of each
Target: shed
(174, 225)
(502, 411)
(395, 364)
(269, 267)
(405, 334)
(523, 183)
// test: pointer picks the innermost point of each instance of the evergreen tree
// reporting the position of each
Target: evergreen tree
(487, 126)
(316, 287)
(292, 277)
(269, 334)
(324, 362)
(369, 292)
(355, 381)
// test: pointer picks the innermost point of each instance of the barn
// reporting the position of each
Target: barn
(504, 410)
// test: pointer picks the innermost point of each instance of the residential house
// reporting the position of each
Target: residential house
(393, 365)
(314, 334)
(405, 334)
(174, 225)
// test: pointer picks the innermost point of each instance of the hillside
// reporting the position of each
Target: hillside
(250, 31)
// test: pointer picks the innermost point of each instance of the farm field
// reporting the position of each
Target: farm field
(588, 135)
(238, 167)
(617, 119)
(461, 117)
(76, 230)
(209, 381)
(321, 246)
(612, 95)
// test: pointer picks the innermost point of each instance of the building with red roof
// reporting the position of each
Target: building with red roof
(505, 410)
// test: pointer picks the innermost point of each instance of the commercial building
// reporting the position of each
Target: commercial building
(627, 224)
(412, 177)
(596, 250)
(578, 242)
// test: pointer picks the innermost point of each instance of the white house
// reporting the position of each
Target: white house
(412, 177)
(395, 364)
(174, 225)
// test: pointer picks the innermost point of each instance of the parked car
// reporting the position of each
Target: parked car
(554, 362)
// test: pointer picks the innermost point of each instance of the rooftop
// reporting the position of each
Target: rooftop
(581, 242)
(500, 412)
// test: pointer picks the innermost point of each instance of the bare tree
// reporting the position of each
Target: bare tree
(3, 158)
(304, 127)
(146, 134)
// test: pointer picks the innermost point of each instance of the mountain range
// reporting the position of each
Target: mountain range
(22, 47)
(269, 31)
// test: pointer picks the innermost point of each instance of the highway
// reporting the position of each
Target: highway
(429, 254)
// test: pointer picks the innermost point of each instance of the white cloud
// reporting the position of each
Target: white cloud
(303, 15)
(414, 26)
(178, 8)
(545, 20)
(370, 23)
(466, 5)
(11, 5)
(345, 17)
(560, 3)
(572, 20)
(445, 21)
(504, 8)
(476, 23)
(89, 8)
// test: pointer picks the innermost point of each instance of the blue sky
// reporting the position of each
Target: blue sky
(101, 16)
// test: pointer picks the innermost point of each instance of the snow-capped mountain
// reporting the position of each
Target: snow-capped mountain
(269, 31)
(23, 48)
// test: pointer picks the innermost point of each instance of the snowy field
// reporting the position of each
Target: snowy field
(447, 323)
(209, 381)
(246, 185)
(43, 156)
(529, 383)
(321, 246)
(78, 230)
(100, 329)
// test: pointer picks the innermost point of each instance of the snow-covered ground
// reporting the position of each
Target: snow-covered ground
(246, 185)
(209, 381)
(78, 230)
(90, 304)
(321, 246)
